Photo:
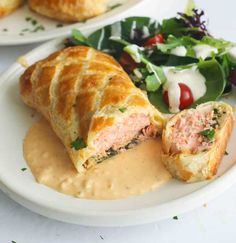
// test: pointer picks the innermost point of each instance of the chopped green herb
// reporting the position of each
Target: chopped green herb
(216, 111)
(5, 30)
(34, 21)
(23, 169)
(101, 237)
(208, 133)
(59, 25)
(13, 241)
(78, 144)
(175, 217)
(114, 6)
(38, 28)
(123, 109)
(28, 18)
(24, 30)
(226, 153)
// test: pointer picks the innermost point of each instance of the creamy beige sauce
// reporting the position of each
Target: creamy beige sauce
(132, 172)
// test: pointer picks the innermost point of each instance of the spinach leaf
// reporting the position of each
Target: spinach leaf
(166, 59)
(172, 26)
(100, 38)
(208, 133)
(156, 98)
(135, 30)
(78, 144)
(215, 80)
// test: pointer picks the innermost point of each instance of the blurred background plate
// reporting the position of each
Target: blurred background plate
(17, 28)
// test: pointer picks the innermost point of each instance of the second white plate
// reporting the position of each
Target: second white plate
(25, 26)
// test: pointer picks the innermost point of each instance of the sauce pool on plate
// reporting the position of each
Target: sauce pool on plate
(132, 172)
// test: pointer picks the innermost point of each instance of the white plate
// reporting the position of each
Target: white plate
(17, 25)
(172, 199)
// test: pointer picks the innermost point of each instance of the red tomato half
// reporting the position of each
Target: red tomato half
(186, 96)
(127, 62)
(155, 39)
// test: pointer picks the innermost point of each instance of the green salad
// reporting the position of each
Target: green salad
(177, 62)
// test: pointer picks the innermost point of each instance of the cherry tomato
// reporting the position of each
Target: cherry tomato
(186, 96)
(127, 62)
(156, 39)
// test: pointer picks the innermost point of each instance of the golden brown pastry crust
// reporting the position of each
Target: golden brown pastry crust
(69, 10)
(8, 6)
(80, 90)
(196, 167)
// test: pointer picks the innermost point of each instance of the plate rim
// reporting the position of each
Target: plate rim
(118, 218)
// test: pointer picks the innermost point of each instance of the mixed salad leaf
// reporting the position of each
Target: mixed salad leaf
(145, 47)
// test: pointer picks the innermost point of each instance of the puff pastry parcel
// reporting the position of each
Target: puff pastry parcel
(194, 141)
(69, 10)
(8, 6)
(91, 103)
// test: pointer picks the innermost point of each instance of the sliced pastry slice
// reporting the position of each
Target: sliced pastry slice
(194, 141)
(91, 104)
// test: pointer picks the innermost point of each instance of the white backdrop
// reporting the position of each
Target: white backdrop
(213, 222)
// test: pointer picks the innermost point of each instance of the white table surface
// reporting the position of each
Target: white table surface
(213, 222)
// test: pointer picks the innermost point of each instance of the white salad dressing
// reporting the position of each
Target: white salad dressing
(102, 35)
(151, 70)
(232, 54)
(190, 77)
(133, 51)
(132, 31)
(116, 30)
(203, 51)
(151, 21)
(146, 32)
(180, 51)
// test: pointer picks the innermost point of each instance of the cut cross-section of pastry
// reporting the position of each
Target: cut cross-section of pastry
(91, 104)
(194, 141)
(8, 6)
(69, 10)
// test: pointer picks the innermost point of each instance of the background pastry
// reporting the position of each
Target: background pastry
(91, 103)
(8, 6)
(69, 10)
